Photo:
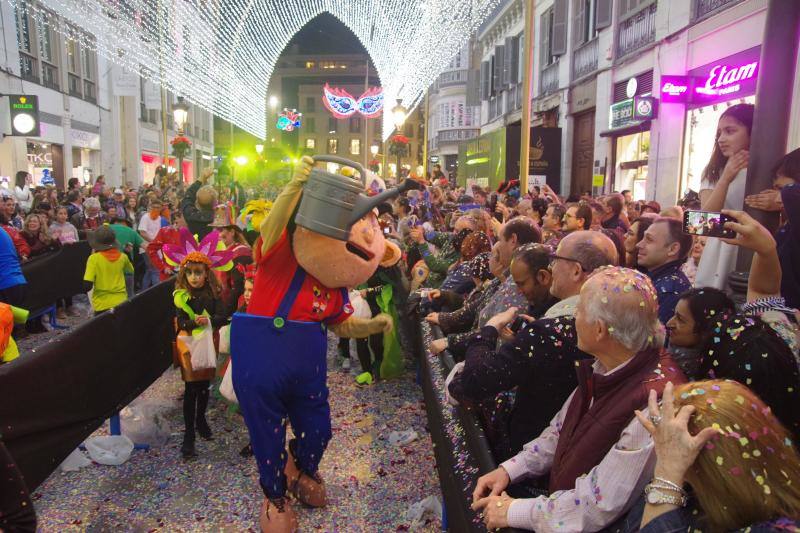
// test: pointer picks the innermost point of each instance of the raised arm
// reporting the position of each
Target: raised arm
(278, 218)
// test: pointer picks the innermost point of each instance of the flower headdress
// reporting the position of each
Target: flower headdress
(210, 251)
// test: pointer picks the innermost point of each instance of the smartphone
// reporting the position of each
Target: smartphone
(517, 324)
(386, 231)
(707, 224)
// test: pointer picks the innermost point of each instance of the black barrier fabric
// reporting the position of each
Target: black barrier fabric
(462, 453)
(55, 397)
(55, 275)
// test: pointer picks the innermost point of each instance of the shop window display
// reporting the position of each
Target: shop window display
(631, 163)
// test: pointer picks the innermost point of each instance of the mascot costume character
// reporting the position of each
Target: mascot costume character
(320, 238)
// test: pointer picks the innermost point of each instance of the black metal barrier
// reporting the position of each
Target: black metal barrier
(55, 275)
(54, 397)
(460, 446)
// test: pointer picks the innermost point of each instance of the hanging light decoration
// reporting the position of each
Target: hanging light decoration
(220, 54)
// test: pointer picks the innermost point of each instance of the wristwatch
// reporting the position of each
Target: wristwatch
(654, 496)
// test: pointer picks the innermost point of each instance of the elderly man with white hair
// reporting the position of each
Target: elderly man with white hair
(91, 218)
(597, 456)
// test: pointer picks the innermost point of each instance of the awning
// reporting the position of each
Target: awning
(627, 130)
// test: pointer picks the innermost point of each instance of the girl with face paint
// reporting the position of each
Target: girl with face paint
(198, 303)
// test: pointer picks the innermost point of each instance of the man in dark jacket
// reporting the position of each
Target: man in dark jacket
(198, 206)
(662, 252)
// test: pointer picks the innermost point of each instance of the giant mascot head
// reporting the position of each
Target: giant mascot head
(338, 263)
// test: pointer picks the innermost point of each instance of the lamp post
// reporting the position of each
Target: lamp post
(180, 112)
(399, 115)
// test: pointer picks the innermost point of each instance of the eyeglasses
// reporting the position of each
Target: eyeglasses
(555, 257)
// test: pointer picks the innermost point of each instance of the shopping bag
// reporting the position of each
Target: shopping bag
(226, 387)
(360, 306)
(201, 348)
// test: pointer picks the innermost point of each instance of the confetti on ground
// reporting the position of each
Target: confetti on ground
(371, 484)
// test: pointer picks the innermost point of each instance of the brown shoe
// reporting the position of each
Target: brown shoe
(277, 516)
(310, 490)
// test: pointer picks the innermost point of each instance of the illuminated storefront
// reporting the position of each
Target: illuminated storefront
(707, 91)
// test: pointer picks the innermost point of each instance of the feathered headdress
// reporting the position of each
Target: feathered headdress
(210, 251)
(254, 213)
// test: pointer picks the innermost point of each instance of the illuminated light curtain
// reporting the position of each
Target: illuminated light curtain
(220, 54)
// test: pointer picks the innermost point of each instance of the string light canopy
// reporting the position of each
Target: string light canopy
(220, 54)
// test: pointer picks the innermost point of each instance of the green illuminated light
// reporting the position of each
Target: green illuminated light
(477, 160)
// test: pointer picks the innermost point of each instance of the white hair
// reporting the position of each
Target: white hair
(627, 306)
(91, 203)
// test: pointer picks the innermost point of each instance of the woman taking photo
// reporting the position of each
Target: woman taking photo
(722, 187)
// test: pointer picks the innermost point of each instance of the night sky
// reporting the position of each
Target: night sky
(325, 34)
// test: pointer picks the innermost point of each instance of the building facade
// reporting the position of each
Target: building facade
(95, 117)
(453, 109)
(298, 82)
(619, 78)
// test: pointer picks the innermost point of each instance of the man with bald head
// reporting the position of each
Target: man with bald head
(578, 255)
(539, 359)
(596, 455)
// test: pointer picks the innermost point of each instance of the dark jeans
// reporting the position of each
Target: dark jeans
(14, 295)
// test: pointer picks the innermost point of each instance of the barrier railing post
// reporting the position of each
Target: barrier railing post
(115, 428)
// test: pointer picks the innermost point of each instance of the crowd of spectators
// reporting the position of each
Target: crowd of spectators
(618, 384)
(615, 389)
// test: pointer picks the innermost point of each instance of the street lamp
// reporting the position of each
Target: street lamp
(374, 149)
(399, 114)
(259, 149)
(273, 101)
(180, 112)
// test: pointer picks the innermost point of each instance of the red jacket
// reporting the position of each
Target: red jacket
(166, 235)
(23, 250)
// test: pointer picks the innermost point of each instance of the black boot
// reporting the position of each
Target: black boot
(188, 450)
(202, 404)
(189, 413)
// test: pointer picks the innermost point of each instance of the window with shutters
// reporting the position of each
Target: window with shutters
(81, 65)
(48, 49)
(355, 125)
(629, 8)
(499, 68)
(511, 67)
(546, 38)
(311, 104)
(485, 81)
(584, 25)
(310, 125)
(332, 125)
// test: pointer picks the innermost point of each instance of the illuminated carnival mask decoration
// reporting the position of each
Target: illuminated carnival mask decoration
(288, 120)
(342, 104)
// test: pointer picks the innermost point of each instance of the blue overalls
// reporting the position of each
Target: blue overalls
(279, 371)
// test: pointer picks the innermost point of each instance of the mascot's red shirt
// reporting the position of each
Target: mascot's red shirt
(315, 302)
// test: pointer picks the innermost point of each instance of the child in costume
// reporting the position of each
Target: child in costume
(198, 306)
(105, 271)
(278, 348)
